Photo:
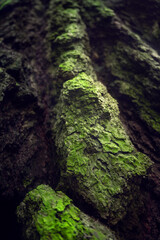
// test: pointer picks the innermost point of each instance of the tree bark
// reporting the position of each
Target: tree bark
(79, 110)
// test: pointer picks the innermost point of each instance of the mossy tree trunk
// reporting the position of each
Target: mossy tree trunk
(80, 111)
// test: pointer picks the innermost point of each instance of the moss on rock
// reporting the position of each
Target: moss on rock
(46, 214)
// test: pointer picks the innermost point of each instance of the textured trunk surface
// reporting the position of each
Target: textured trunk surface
(80, 112)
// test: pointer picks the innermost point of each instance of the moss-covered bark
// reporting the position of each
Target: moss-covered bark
(96, 157)
(47, 214)
(61, 64)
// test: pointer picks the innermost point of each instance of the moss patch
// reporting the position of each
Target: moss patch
(96, 12)
(96, 156)
(136, 73)
(46, 214)
(94, 148)
(5, 3)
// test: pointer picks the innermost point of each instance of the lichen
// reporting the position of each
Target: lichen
(46, 214)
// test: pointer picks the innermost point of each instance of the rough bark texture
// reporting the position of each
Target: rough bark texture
(57, 218)
(79, 111)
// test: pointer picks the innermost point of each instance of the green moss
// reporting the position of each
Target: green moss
(72, 65)
(72, 32)
(134, 70)
(64, 20)
(4, 3)
(93, 142)
(47, 214)
(97, 159)
(74, 60)
(27, 182)
(95, 12)
(70, 39)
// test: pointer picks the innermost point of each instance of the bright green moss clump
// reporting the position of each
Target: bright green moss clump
(68, 35)
(46, 214)
(95, 151)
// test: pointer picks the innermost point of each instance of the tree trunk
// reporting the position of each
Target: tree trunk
(79, 112)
